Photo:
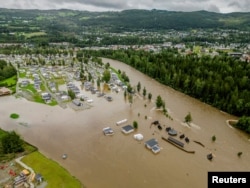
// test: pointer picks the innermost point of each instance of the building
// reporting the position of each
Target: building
(108, 131)
(176, 142)
(77, 102)
(46, 96)
(39, 178)
(127, 129)
(25, 83)
(152, 144)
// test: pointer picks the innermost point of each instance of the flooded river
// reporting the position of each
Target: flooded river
(119, 160)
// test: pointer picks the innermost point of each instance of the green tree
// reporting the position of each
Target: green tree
(135, 124)
(138, 87)
(149, 96)
(12, 143)
(107, 65)
(124, 77)
(159, 102)
(144, 92)
(244, 124)
(125, 94)
(89, 76)
(106, 76)
(188, 118)
(239, 154)
(71, 94)
(129, 89)
(130, 99)
(213, 138)
(98, 82)
(81, 75)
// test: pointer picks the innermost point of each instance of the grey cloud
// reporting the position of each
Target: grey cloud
(102, 5)
(243, 5)
(98, 3)
(213, 8)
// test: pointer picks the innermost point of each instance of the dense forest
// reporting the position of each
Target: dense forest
(221, 81)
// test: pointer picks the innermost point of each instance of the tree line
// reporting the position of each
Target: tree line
(6, 70)
(221, 81)
(10, 145)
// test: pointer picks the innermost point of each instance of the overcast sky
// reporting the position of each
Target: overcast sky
(222, 6)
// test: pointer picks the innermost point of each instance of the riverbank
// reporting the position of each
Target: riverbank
(53, 175)
(35, 163)
(102, 161)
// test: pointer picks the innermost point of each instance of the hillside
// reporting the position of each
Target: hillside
(68, 25)
(125, 20)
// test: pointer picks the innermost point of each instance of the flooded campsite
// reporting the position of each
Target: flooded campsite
(120, 160)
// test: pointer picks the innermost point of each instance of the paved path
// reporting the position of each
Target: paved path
(18, 160)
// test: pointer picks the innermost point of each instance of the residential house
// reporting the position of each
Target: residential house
(46, 97)
(25, 83)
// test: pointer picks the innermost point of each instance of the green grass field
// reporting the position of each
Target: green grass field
(59, 81)
(31, 88)
(22, 74)
(34, 34)
(231, 21)
(66, 14)
(37, 96)
(52, 172)
(7, 157)
(10, 81)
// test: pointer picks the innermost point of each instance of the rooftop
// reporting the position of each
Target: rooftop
(151, 143)
(127, 129)
(108, 131)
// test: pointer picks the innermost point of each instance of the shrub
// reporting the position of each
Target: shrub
(135, 125)
(14, 116)
(213, 138)
(239, 154)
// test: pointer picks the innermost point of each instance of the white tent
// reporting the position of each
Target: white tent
(138, 137)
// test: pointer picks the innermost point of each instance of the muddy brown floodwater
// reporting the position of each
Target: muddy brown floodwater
(119, 160)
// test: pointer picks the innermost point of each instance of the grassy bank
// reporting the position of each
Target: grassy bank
(28, 148)
(10, 83)
(35, 95)
(52, 172)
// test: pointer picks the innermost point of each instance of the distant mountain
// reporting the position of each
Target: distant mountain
(128, 20)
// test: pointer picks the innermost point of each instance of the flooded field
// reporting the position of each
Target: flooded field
(119, 160)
